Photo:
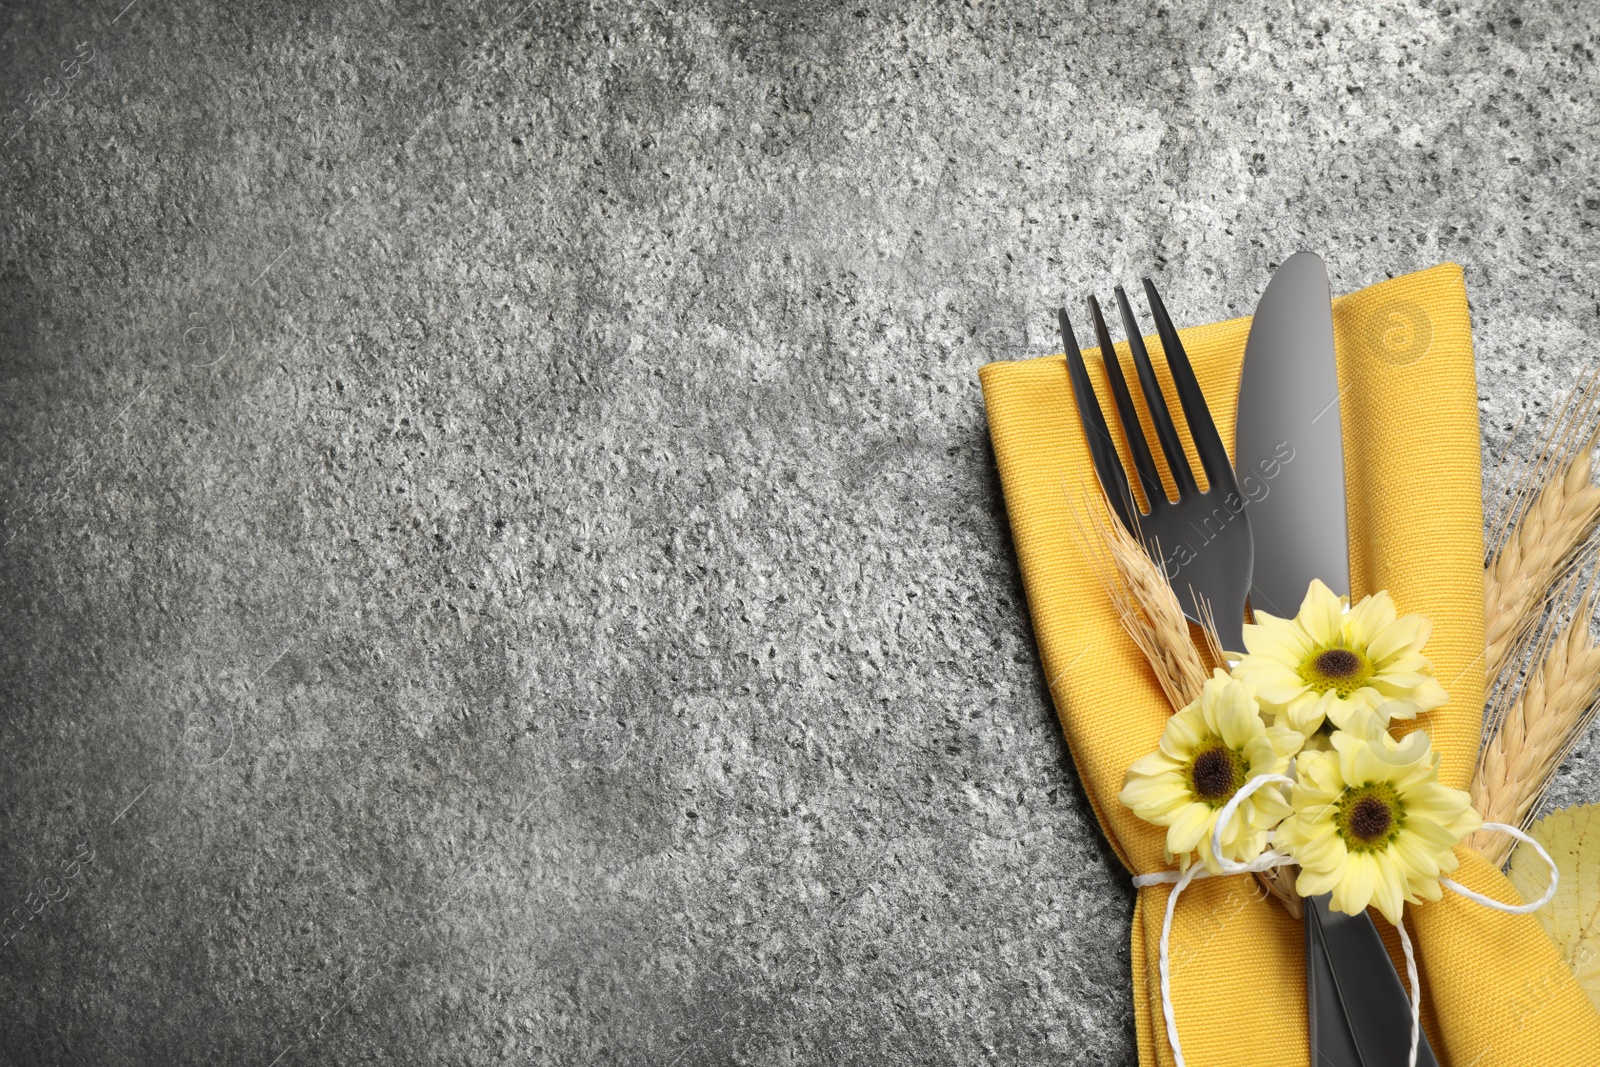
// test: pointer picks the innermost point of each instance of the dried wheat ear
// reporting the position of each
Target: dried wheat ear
(1549, 513)
(1543, 670)
(1532, 727)
(1149, 612)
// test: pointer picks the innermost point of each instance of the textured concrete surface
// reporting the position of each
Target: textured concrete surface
(502, 560)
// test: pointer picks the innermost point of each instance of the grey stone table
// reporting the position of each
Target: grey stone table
(502, 559)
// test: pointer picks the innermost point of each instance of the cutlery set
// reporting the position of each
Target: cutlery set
(1264, 527)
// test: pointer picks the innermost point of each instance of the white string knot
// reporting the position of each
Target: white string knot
(1272, 859)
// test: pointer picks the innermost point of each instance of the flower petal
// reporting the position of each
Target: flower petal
(1191, 824)
(1368, 620)
(1322, 615)
(1409, 633)
(1237, 718)
(1388, 890)
(1355, 889)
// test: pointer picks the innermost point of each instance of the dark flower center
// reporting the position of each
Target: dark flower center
(1344, 670)
(1338, 663)
(1213, 774)
(1216, 772)
(1369, 817)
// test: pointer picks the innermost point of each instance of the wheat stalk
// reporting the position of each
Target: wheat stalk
(1149, 611)
(1534, 731)
(1538, 535)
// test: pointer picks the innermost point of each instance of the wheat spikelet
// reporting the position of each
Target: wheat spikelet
(1534, 557)
(1538, 534)
(1534, 731)
(1150, 613)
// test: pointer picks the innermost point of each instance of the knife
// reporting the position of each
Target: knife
(1289, 460)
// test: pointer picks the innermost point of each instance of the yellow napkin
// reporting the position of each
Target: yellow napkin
(1495, 991)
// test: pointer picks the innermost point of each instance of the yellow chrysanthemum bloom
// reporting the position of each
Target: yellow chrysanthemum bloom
(1208, 750)
(1371, 823)
(1329, 663)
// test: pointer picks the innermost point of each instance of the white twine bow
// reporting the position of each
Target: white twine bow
(1271, 859)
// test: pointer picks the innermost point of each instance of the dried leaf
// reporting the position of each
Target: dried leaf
(1572, 918)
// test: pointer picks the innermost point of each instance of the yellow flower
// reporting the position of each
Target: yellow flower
(1371, 823)
(1329, 663)
(1208, 750)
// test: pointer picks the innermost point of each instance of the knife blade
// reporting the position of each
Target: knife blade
(1289, 460)
(1289, 453)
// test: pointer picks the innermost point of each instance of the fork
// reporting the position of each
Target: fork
(1201, 540)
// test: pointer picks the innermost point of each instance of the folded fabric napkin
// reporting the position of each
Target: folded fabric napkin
(1495, 990)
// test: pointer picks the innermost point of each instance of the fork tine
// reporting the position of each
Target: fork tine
(1166, 431)
(1103, 449)
(1143, 464)
(1207, 442)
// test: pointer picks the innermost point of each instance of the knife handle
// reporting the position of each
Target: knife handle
(1375, 1003)
(1332, 1043)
